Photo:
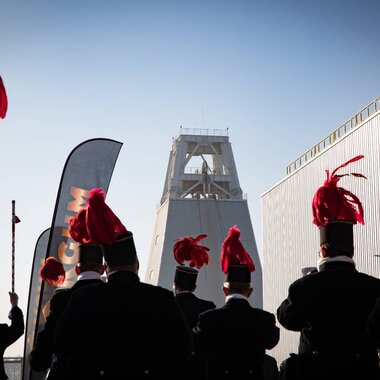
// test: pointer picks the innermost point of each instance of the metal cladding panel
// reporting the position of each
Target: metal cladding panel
(192, 217)
(291, 240)
(152, 269)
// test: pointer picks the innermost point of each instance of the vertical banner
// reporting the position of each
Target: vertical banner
(34, 295)
(89, 165)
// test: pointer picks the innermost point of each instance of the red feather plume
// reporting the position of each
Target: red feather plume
(78, 227)
(233, 251)
(331, 202)
(103, 226)
(3, 100)
(53, 272)
(187, 249)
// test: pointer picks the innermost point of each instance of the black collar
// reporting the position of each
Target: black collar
(123, 275)
(337, 265)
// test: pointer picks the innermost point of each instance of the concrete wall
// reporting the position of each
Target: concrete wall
(192, 217)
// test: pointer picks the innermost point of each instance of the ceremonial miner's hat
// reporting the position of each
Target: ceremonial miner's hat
(336, 210)
(88, 251)
(104, 228)
(236, 263)
(53, 272)
(187, 249)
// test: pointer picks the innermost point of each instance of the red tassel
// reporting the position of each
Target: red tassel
(78, 228)
(233, 251)
(187, 249)
(3, 100)
(53, 272)
(331, 202)
(103, 226)
(96, 224)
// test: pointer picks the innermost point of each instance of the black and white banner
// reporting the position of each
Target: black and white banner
(88, 166)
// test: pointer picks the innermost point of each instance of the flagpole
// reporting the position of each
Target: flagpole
(13, 244)
(15, 220)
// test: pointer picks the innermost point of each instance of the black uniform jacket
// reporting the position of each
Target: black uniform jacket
(233, 340)
(191, 307)
(330, 308)
(9, 335)
(374, 324)
(41, 356)
(125, 329)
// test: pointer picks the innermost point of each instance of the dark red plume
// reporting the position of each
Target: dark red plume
(187, 249)
(331, 202)
(3, 100)
(233, 251)
(103, 226)
(78, 227)
(53, 272)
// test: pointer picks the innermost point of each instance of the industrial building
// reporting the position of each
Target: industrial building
(202, 195)
(291, 240)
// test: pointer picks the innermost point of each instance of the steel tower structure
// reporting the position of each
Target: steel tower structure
(201, 195)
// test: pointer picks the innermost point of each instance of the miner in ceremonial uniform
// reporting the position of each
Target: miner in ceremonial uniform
(44, 353)
(330, 307)
(45, 356)
(122, 329)
(10, 333)
(234, 337)
(187, 249)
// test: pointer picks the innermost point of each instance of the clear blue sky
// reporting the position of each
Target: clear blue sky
(281, 75)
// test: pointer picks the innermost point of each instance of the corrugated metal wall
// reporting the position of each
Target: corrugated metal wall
(291, 240)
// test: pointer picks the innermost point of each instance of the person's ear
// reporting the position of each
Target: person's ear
(102, 269)
(77, 269)
(323, 252)
(249, 292)
(225, 291)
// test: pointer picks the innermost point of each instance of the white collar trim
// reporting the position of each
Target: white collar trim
(89, 275)
(236, 296)
(344, 259)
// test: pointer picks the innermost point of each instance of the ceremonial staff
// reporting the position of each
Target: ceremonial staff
(15, 220)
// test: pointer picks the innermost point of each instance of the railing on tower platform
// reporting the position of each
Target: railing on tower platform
(203, 132)
(354, 122)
